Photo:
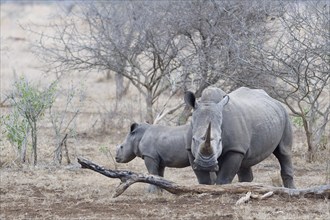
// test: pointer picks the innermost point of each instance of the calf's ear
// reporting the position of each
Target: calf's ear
(134, 126)
(190, 99)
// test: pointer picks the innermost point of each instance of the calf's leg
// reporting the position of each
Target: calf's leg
(154, 169)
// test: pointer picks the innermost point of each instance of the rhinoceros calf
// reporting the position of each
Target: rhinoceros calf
(159, 147)
(230, 134)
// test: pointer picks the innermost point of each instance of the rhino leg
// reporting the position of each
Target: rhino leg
(161, 171)
(154, 169)
(213, 176)
(286, 167)
(245, 174)
(203, 177)
(230, 165)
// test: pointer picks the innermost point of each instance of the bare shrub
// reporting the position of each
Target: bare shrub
(63, 120)
(296, 64)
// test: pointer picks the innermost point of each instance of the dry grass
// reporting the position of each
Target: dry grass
(67, 192)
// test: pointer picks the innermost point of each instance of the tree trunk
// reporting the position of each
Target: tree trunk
(58, 156)
(149, 116)
(119, 87)
(58, 151)
(185, 114)
(34, 142)
(108, 75)
(66, 150)
(23, 149)
(128, 178)
(310, 147)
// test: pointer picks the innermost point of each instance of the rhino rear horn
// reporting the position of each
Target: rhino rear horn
(224, 101)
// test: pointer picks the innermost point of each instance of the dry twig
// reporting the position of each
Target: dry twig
(244, 199)
(249, 196)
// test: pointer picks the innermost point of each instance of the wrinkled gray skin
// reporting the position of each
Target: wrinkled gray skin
(230, 134)
(159, 147)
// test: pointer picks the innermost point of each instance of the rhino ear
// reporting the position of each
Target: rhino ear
(224, 101)
(134, 126)
(190, 99)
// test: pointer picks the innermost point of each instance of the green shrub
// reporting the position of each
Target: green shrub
(29, 105)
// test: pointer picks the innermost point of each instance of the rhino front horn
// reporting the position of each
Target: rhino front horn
(206, 149)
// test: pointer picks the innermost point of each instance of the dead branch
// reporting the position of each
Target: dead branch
(244, 199)
(249, 196)
(128, 178)
(162, 114)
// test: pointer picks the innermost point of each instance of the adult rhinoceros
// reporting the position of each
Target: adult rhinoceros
(230, 134)
(159, 146)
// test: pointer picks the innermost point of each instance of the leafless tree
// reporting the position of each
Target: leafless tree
(218, 34)
(128, 38)
(158, 45)
(296, 62)
(277, 45)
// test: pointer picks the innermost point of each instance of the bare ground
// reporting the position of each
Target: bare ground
(68, 192)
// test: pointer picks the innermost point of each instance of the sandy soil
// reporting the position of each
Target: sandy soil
(68, 192)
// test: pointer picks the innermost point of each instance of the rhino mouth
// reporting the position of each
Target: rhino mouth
(118, 160)
(200, 165)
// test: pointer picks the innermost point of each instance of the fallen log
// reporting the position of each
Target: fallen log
(128, 178)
